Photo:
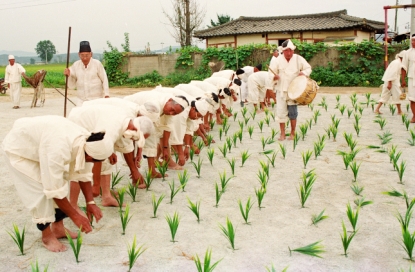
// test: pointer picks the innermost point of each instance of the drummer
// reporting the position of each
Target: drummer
(284, 69)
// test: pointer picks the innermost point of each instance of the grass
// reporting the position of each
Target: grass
(283, 150)
(245, 155)
(173, 222)
(76, 247)
(183, 178)
(357, 189)
(18, 237)
(132, 191)
(401, 170)
(134, 252)
(229, 232)
(314, 249)
(125, 218)
(223, 181)
(306, 186)
(260, 193)
(206, 263)
(211, 154)
(346, 240)
(250, 131)
(173, 190)
(116, 179)
(355, 169)
(198, 166)
(352, 215)
(218, 194)
(148, 179)
(306, 155)
(316, 218)
(361, 202)
(245, 210)
(156, 203)
(195, 208)
(232, 165)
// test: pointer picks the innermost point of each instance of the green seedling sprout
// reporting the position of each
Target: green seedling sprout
(408, 243)
(191, 154)
(316, 218)
(246, 119)
(76, 248)
(148, 179)
(272, 158)
(395, 159)
(407, 107)
(218, 194)
(244, 111)
(232, 165)
(253, 114)
(229, 232)
(283, 150)
(240, 135)
(260, 193)
(120, 197)
(385, 138)
(303, 130)
(381, 121)
(355, 169)
(210, 154)
(295, 140)
(125, 218)
(235, 138)
(132, 191)
(314, 249)
(183, 178)
(338, 98)
(156, 203)
(311, 106)
(316, 115)
(357, 129)
(272, 116)
(220, 133)
(353, 216)
(274, 133)
(212, 124)
(198, 166)
(116, 179)
(18, 237)
(349, 113)
(407, 122)
(201, 145)
(173, 222)
(411, 141)
(35, 267)
(229, 144)
(245, 210)
(392, 109)
(361, 202)
(224, 150)
(260, 125)
(134, 252)
(342, 108)
(357, 189)
(162, 168)
(310, 123)
(245, 155)
(235, 114)
(223, 181)
(306, 157)
(346, 240)
(333, 130)
(263, 178)
(267, 120)
(305, 186)
(250, 131)
(195, 208)
(173, 190)
(206, 264)
(265, 167)
(401, 170)
(209, 139)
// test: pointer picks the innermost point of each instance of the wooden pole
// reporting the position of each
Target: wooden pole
(67, 65)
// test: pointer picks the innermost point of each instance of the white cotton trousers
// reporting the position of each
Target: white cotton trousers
(15, 92)
(256, 92)
(282, 107)
(411, 90)
(244, 91)
(386, 94)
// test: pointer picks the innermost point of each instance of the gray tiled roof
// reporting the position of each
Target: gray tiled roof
(307, 22)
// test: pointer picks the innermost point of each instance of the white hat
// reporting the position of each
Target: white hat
(181, 101)
(202, 106)
(288, 44)
(11, 57)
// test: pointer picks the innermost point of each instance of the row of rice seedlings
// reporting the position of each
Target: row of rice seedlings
(319, 145)
(314, 249)
(156, 203)
(306, 155)
(206, 267)
(125, 218)
(381, 121)
(173, 222)
(173, 190)
(229, 232)
(245, 209)
(316, 218)
(306, 186)
(198, 166)
(134, 251)
(195, 208)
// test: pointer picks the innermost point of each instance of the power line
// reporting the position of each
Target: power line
(45, 4)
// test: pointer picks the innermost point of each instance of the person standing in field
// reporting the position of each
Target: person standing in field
(391, 84)
(408, 69)
(285, 69)
(88, 76)
(13, 77)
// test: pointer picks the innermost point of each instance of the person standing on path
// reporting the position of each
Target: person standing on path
(13, 77)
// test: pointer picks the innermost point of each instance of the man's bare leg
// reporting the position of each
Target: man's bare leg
(50, 241)
(293, 123)
(74, 195)
(219, 120)
(377, 109)
(398, 106)
(96, 185)
(282, 132)
(59, 230)
(413, 111)
(108, 200)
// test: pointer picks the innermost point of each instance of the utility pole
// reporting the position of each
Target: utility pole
(396, 17)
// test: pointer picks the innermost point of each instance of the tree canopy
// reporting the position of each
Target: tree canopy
(222, 19)
(45, 50)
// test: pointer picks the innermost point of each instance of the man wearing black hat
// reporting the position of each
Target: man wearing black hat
(88, 76)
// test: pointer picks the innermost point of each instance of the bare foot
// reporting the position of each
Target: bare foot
(110, 202)
(174, 166)
(219, 121)
(196, 149)
(155, 174)
(59, 230)
(51, 242)
(399, 113)
(377, 112)
(141, 186)
(291, 137)
(281, 138)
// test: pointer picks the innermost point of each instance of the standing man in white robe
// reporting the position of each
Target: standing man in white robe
(258, 84)
(38, 151)
(392, 84)
(88, 76)
(13, 77)
(286, 68)
(408, 69)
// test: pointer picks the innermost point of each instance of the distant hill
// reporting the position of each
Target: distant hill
(26, 59)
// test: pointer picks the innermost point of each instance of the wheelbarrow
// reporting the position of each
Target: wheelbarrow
(3, 86)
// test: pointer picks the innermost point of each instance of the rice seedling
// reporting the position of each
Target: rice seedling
(245, 155)
(353, 216)
(225, 122)
(240, 135)
(328, 131)
(260, 193)
(212, 124)
(407, 107)
(241, 124)
(336, 122)
(191, 154)
(245, 211)
(201, 145)
(357, 189)
(391, 152)
(173, 190)
(357, 118)
(156, 203)
(125, 218)
(316, 114)
(346, 240)
(148, 179)
(224, 150)
(395, 159)
(272, 116)
(220, 133)
(311, 106)
(232, 165)
(303, 130)
(353, 99)
(235, 114)
(229, 232)
(360, 109)
(392, 109)
(218, 194)
(35, 267)
(401, 170)
(250, 131)
(355, 169)
(120, 197)
(134, 252)
(173, 222)
(333, 130)
(260, 125)
(183, 179)
(224, 180)
(265, 167)
(361, 202)
(314, 249)
(76, 248)
(210, 154)
(244, 111)
(132, 191)
(411, 141)
(338, 98)
(116, 179)
(229, 144)
(408, 243)
(283, 150)
(316, 218)
(385, 138)
(306, 157)
(342, 108)
(263, 142)
(18, 237)
(373, 106)
(272, 158)
(253, 114)
(206, 264)
(306, 186)
(357, 129)
(349, 113)
(246, 119)
(310, 123)
(267, 120)
(209, 139)
(198, 166)
(162, 168)
(235, 139)
(295, 140)
(195, 208)
(176, 155)
(263, 178)
(349, 140)
(405, 221)
(367, 95)
(407, 122)
(396, 193)
(381, 121)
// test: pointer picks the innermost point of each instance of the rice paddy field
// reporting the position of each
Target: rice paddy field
(54, 73)
(352, 172)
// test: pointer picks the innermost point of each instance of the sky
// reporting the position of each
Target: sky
(26, 22)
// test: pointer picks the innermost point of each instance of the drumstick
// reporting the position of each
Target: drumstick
(271, 70)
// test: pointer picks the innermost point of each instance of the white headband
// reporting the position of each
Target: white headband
(290, 45)
(181, 102)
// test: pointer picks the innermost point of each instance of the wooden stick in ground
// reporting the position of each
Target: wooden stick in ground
(60, 92)
(67, 65)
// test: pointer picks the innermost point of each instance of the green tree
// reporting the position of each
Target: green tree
(32, 61)
(45, 50)
(222, 19)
